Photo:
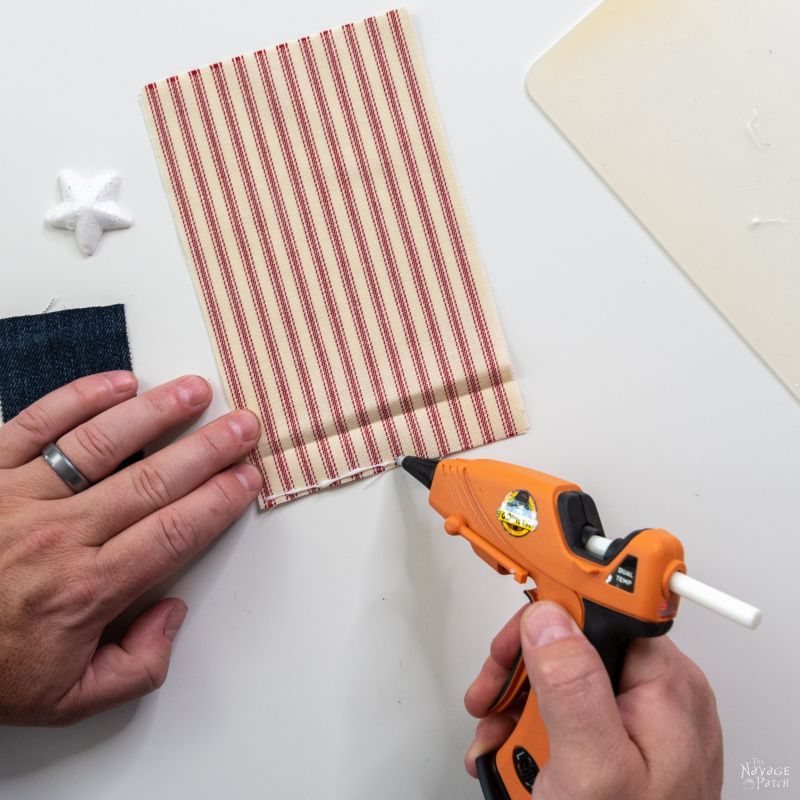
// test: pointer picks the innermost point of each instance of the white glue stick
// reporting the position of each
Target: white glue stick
(697, 591)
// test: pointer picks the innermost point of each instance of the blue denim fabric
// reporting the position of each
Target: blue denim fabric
(41, 352)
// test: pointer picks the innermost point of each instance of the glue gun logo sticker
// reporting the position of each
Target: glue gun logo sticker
(518, 514)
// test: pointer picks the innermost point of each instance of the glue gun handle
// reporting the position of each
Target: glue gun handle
(611, 632)
(509, 773)
(610, 639)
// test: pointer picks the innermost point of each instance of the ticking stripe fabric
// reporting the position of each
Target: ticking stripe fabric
(40, 352)
(318, 209)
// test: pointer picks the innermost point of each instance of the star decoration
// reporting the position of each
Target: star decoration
(88, 207)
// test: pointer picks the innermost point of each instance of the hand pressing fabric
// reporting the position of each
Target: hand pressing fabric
(643, 743)
(71, 562)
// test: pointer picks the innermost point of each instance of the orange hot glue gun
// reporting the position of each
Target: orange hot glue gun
(531, 525)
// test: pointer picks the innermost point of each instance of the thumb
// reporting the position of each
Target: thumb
(572, 687)
(135, 667)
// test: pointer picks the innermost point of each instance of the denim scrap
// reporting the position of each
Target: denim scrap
(40, 352)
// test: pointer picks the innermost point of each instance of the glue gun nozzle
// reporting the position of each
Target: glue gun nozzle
(421, 468)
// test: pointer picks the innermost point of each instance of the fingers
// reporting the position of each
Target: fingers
(505, 647)
(572, 687)
(23, 437)
(667, 704)
(98, 446)
(149, 485)
(649, 660)
(160, 544)
(494, 730)
(486, 688)
(483, 692)
(133, 668)
(601, 745)
(490, 734)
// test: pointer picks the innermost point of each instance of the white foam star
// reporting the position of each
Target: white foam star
(88, 207)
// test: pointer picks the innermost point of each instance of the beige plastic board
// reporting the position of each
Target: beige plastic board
(690, 111)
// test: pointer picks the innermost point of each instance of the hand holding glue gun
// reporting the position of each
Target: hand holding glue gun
(571, 737)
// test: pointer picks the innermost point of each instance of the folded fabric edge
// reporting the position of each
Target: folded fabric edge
(520, 427)
(442, 400)
(265, 503)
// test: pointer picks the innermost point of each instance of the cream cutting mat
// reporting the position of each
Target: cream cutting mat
(690, 110)
(318, 209)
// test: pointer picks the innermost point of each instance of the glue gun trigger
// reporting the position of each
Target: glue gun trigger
(515, 686)
(517, 682)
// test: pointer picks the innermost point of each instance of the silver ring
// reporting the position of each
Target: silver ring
(64, 468)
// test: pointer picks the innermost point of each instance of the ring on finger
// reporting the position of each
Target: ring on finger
(64, 468)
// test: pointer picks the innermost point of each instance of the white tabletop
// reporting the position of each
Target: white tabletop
(329, 642)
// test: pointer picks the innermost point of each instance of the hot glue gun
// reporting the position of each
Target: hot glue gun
(532, 525)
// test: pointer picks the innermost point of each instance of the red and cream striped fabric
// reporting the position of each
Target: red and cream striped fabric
(317, 205)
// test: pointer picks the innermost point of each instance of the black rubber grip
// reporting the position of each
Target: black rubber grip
(489, 778)
(611, 632)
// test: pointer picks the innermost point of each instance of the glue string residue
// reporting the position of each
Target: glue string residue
(330, 481)
(754, 127)
(756, 221)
